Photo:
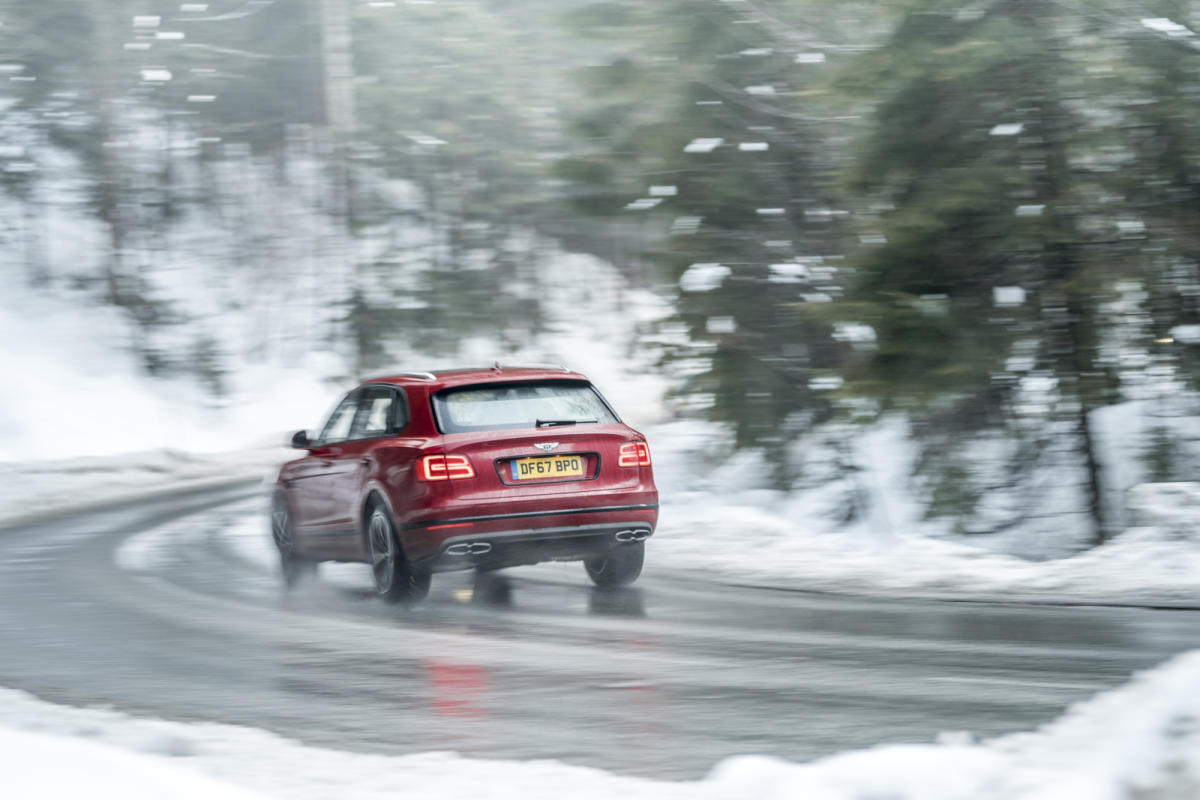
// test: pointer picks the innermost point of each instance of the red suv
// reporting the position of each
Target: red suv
(422, 472)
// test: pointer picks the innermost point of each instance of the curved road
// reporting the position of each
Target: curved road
(663, 679)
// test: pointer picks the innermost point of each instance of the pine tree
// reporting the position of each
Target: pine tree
(990, 144)
(710, 121)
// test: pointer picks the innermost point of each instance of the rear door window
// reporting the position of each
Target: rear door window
(488, 407)
(376, 415)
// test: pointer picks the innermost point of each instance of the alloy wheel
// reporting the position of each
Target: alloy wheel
(281, 528)
(383, 551)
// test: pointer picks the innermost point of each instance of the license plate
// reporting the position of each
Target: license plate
(524, 469)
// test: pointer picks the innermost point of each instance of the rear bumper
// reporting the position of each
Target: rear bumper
(526, 537)
(533, 545)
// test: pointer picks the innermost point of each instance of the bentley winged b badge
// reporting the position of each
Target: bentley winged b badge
(545, 447)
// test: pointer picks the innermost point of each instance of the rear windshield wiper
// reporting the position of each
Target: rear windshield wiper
(551, 423)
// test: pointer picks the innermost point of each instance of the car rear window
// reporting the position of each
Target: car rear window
(487, 407)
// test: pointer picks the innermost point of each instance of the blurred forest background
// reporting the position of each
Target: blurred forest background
(983, 215)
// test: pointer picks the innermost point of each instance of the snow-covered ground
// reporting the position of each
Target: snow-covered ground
(31, 490)
(722, 528)
(81, 424)
(1138, 742)
(73, 390)
(1148, 565)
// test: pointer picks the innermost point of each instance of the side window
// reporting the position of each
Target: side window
(337, 429)
(374, 413)
(400, 411)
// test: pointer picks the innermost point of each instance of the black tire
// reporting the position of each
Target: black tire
(396, 580)
(620, 566)
(294, 567)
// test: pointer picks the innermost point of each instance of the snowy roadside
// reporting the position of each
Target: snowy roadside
(1155, 564)
(719, 523)
(33, 490)
(1139, 741)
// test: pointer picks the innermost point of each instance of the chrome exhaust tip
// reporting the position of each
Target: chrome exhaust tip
(632, 536)
(469, 549)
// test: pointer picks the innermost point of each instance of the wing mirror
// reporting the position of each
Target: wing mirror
(300, 440)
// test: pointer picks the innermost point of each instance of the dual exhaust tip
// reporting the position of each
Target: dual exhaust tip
(632, 536)
(469, 549)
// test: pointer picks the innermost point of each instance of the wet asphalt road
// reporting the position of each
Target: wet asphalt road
(663, 679)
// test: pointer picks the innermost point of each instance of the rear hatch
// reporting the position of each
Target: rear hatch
(534, 438)
(529, 463)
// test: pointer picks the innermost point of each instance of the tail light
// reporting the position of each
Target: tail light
(634, 454)
(444, 468)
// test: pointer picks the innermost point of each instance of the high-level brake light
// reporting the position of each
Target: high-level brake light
(445, 468)
(634, 454)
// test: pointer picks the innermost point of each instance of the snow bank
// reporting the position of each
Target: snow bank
(741, 537)
(75, 390)
(42, 767)
(1140, 741)
(29, 490)
(718, 521)
(743, 544)
(1172, 506)
(275, 767)
(1137, 742)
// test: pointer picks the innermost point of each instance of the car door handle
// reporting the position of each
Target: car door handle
(366, 462)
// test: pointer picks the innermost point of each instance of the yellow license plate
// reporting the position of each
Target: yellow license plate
(525, 469)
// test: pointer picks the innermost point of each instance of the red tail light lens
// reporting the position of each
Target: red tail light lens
(634, 454)
(444, 468)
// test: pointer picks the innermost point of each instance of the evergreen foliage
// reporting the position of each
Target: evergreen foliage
(1003, 139)
(704, 124)
(1009, 190)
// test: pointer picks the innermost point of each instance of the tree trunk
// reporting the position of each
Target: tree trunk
(1068, 328)
(108, 168)
(337, 59)
(1094, 476)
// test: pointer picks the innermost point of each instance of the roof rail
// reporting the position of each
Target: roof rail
(425, 376)
(558, 367)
